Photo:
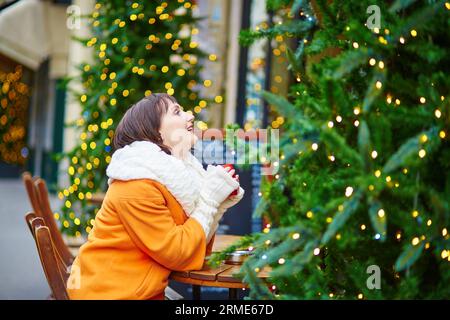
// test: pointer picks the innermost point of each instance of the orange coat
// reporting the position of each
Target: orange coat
(141, 233)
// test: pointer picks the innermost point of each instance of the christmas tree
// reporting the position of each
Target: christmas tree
(359, 208)
(139, 47)
(13, 117)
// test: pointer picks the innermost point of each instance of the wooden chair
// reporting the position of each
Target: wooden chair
(32, 194)
(29, 218)
(54, 269)
(33, 221)
(47, 214)
(38, 195)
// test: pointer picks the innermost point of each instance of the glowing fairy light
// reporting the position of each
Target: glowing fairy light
(348, 191)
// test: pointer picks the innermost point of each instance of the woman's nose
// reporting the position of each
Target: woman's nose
(189, 116)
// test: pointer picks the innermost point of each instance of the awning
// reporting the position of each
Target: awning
(32, 31)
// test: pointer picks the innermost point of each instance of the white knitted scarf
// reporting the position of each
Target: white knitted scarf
(145, 160)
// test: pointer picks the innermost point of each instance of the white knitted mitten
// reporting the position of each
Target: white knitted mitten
(218, 186)
(224, 206)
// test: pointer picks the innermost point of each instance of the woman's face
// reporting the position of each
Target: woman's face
(177, 129)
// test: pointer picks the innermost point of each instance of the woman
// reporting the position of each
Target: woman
(160, 212)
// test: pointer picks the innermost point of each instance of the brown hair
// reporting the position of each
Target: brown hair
(142, 121)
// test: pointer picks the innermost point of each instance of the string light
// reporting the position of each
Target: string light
(374, 154)
(402, 40)
(422, 153)
(348, 191)
(437, 113)
(378, 84)
(382, 40)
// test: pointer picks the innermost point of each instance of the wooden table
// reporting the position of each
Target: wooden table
(223, 276)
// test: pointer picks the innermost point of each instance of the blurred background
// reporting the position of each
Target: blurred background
(49, 53)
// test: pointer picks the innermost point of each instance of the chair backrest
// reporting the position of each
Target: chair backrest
(54, 270)
(29, 218)
(47, 214)
(32, 193)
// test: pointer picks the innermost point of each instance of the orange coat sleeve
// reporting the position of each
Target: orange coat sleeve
(151, 227)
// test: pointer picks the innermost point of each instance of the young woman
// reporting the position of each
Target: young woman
(160, 212)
